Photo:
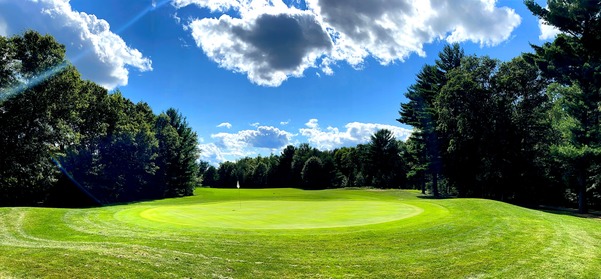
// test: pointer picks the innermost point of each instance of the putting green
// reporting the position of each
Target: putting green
(261, 214)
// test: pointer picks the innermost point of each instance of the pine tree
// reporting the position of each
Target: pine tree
(421, 112)
(574, 59)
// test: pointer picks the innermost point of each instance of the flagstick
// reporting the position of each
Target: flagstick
(239, 197)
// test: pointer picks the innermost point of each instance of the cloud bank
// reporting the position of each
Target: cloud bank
(270, 41)
(271, 140)
(353, 134)
(99, 54)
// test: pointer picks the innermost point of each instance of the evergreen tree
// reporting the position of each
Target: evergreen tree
(421, 111)
(313, 174)
(384, 160)
(182, 161)
(209, 178)
(574, 59)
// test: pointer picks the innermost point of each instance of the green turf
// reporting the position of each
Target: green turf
(284, 214)
(288, 233)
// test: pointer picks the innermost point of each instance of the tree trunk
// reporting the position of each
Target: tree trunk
(435, 184)
(582, 204)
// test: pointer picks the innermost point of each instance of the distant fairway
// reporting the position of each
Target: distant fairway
(288, 233)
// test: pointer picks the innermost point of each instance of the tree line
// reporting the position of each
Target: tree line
(378, 164)
(65, 141)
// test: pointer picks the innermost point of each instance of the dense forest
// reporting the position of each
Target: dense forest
(68, 142)
(526, 131)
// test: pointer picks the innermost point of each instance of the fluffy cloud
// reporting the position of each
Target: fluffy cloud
(270, 41)
(209, 152)
(547, 32)
(353, 134)
(263, 137)
(268, 47)
(225, 125)
(232, 146)
(99, 54)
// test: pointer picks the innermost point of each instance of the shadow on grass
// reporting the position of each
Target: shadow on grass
(593, 214)
(430, 197)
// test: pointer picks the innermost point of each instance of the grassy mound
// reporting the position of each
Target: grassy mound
(293, 233)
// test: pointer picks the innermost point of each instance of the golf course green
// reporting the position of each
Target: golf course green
(281, 214)
(290, 233)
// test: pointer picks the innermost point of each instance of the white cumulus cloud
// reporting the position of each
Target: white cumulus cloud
(547, 32)
(209, 152)
(270, 41)
(262, 137)
(232, 146)
(100, 55)
(267, 46)
(225, 125)
(353, 133)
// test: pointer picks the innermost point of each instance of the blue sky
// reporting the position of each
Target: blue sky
(253, 76)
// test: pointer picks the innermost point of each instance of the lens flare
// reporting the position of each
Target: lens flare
(139, 16)
(25, 85)
(75, 182)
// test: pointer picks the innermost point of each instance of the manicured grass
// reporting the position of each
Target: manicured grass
(291, 233)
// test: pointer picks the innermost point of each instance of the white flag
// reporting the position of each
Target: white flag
(238, 184)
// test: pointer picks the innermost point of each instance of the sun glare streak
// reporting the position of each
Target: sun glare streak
(25, 85)
(153, 6)
(75, 182)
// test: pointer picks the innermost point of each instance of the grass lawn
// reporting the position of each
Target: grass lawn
(279, 233)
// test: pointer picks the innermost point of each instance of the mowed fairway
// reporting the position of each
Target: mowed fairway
(288, 233)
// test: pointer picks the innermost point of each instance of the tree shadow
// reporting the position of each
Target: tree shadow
(592, 214)
(430, 197)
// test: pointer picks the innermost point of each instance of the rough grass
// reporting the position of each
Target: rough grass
(292, 233)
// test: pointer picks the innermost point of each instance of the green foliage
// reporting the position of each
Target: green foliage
(227, 175)
(179, 155)
(283, 167)
(64, 139)
(377, 164)
(209, 178)
(313, 173)
(495, 116)
(260, 175)
(422, 113)
(573, 59)
(480, 125)
(384, 161)
(34, 116)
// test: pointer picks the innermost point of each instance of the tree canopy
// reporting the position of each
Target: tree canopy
(63, 137)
